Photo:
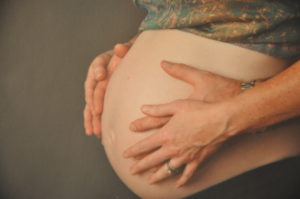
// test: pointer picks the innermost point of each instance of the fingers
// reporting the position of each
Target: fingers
(96, 72)
(161, 174)
(183, 72)
(92, 124)
(147, 123)
(97, 125)
(188, 172)
(89, 87)
(143, 146)
(160, 110)
(192, 158)
(152, 160)
(99, 93)
(192, 166)
(176, 162)
(113, 64)
(87, 116)
(99, 65)
(95, 85)
(121, 49)
(98, 107)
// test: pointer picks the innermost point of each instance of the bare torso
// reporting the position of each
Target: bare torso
(140, 80)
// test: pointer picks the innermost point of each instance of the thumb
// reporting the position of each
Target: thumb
(120, 50)
(183, 72)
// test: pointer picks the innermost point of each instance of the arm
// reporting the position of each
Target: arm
(207, 125)
(269, 102)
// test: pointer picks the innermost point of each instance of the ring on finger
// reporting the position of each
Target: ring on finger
(171, 170)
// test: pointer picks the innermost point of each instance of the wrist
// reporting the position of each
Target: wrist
(232, 112)
(245, 114)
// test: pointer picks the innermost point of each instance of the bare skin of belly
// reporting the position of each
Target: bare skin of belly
(139, 80)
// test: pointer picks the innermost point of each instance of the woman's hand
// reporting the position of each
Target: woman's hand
(194, 131)
(95, 84)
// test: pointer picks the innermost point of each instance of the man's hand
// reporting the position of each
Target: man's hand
(208, 87)
(199, 117)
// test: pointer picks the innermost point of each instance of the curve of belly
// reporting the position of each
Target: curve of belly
(140, 80)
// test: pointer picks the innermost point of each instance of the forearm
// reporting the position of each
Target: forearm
(271, 101)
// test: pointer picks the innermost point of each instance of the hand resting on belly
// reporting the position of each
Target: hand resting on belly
(208, 88)
(139, 80)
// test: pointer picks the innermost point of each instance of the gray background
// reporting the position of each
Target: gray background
(45, 50)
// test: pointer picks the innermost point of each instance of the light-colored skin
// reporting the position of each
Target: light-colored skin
(207, 124)
(96, 82)
(214, 112)
(95, 85)
(180, 115)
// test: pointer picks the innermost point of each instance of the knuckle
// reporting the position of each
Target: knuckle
(97, 111)
(90, 89)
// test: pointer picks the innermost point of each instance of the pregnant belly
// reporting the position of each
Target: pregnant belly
(139, 80)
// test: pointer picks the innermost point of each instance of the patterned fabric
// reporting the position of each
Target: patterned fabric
(268, 26)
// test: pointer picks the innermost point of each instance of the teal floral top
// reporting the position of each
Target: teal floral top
(268, 26)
